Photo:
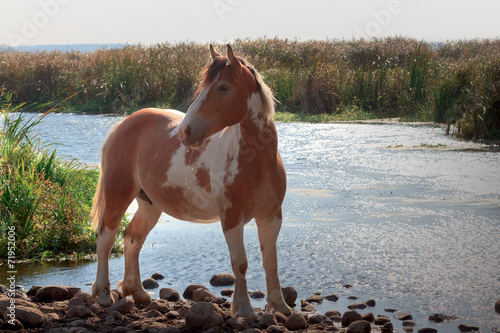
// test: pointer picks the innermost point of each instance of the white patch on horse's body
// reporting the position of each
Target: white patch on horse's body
(254, 103)
(219, 157)
(191, 112)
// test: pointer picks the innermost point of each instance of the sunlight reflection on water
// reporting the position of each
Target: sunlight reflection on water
(415, 228)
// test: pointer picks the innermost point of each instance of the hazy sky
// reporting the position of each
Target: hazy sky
(34, 22)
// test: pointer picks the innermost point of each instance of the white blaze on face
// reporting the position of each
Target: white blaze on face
(193, 109)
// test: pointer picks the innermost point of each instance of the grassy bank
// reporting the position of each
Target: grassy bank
(44, 200)
(455, 83)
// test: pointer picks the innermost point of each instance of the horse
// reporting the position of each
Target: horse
(218, 162)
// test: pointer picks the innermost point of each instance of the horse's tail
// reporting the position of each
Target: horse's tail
(99, 197)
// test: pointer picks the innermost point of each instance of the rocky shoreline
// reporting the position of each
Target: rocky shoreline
(68, 309)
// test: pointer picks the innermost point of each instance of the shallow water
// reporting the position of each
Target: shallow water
(404, 214)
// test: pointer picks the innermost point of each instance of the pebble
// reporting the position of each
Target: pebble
(332, 298)
(370, 302)
(387, 328)
(256, 294)
(359, 326)
(52, 294)
(159, 305)
(223, 279)
(390, 310)
(204, 315)
(409, 323)
(350, 317)
(150, 283)
(80, 311)
(188, 293)
(314, 299)
(157, 276)
(169, 294)
(369, 317)
(467, 328)
(357, 306)
(296, 322)
(403, 316)
(497, 306)
(227, 292)
(381, 320)
(289, 295)
(125, 305)
(237, 323)
(267, 319)
(201, 294)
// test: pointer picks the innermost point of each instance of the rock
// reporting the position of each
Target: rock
(352, 297)
(281, 318)
(125, 305)
(3, 289)
(369, 317)
(173, 315)
(289, 295)
(75, 301)
(32, 291)
(347, 286)
(464, 328)
(51, 317)
(73, 291)
(357, 306)
(332, 298)
(95, 308)
(316, 319)
(439, 317)
(267, 319)
(331, 313)
(157, 276)
(169, 294)
(306, 307)
(188, 293)
(387, 328)
(28, 316)
(80, 311)
(403, 316)
(200, 294)
(359, 326)
(497, 306)
(314, 299)
(409, 323)
(150, 283)
(169, 330)
(381, 320)
(237, 323)
(370, 302)
(153, 314)
(350, 317)
(204, 315)
(427, 330)
(296, 322)
(227, 292)
(223, 279)
(87, 298)
(256, 294)
(117, 315)
(51, 294)
(16, 326)
(276, 329)
(160, 305)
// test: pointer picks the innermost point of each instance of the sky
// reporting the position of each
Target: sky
(66, 22)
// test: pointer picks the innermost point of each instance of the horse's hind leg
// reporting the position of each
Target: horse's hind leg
(143, 221)
(106, 236)
(268, 231)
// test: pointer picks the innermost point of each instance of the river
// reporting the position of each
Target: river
(404, 214)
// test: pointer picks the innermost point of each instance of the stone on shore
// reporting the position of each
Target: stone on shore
(124, 306)
(157, 276)
(52, 294)
(314, 299)
(403, 316)
(359, 326)
(223, 279)
(204, 315)
(200, 294)
(350, 317)
(80, 311)
(227, 292)
(150, 283)
(267, 319)
(467, 328)
(188, 293)
(439, 317)
(256, 294)
(28, 316)
(169, 294)
(497, 306)
(289, 295)
(332, 298)
(296, 322)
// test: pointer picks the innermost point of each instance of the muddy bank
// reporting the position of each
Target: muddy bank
(68, 309)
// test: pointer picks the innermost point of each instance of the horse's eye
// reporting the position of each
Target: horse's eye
(223, 88)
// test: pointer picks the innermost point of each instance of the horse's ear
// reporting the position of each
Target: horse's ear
(233, 59)
(214, 54)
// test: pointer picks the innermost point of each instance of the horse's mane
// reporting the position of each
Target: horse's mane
(209, 73)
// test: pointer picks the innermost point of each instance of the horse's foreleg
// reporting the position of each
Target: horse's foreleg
(101, 288)
(143, 221)
(268, 231)
(241, 301)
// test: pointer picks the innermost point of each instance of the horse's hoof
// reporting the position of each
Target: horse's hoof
(248, 313)
(105, 300)
(143, 300)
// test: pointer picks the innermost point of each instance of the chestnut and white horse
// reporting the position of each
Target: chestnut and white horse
(219, 162)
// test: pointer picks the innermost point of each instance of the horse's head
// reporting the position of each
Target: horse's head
(221, 99)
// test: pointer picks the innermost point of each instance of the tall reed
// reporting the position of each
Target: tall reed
(453, 82)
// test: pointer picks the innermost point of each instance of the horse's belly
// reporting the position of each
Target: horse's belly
(191, 204)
